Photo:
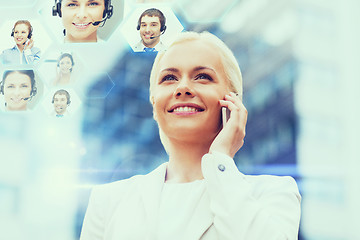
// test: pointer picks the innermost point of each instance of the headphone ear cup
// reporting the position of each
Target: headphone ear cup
(33, 91)
(12, 33)
(58, 9)
(138, 27)
(109, 11)
(163, 28)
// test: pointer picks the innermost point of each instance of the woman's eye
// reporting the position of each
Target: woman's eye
(24, 86)
(71, 5)
(203, 77)
(168, 78)
(93, 4)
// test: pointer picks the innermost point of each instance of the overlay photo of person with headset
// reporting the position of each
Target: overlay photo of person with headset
(24, 51)
(151, 25)
(18, 88)
(64, 68)
(82, 18)
(61, 101)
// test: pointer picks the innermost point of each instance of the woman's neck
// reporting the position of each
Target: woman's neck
(20, 47)
(185, 161)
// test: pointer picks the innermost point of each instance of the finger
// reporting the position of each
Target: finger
(233, 98)
(227, 103)
(238, 113)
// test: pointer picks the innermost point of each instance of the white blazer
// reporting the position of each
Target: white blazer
(241, 207)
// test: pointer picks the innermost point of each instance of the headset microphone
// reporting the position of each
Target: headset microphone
(157, 35)
(27, 98)
(98, 22)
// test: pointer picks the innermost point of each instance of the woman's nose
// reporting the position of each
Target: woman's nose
(82, 12)
(184, 89)
(17, 91)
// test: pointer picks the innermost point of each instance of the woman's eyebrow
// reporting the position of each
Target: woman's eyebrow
(170, 70)
(195, 69)
(200, 68)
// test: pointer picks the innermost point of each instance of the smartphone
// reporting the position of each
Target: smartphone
(225, 115)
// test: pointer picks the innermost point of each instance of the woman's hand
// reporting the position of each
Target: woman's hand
(231, 138)
(29, 44)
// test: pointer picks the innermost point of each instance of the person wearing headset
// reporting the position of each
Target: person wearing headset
(82, 18)
(61, 100)
(18, 88)
(151, 25)
(198, 193)
(24, 51)
(64, 69)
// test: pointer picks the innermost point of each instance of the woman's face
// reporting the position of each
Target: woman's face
(65, 65)
(189, 85)
(17, 89)
(78, 16)
(21, 32)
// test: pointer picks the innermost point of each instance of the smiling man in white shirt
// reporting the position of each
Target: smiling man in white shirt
(151, 26)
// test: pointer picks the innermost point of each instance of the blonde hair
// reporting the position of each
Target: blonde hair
(228, 60)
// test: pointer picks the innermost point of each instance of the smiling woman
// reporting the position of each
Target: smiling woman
(82, 18)
(64, 68)
(24, 51)
(199, 193)
(18, 88)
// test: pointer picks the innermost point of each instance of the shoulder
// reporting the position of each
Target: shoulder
(270, 180)
(269, 184)
(104, 191)
(123, 188)
(9, 50)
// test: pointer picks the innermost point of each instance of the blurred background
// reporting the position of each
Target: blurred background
(300, 63)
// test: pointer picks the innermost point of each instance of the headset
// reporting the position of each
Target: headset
(22, 22)
(108, 11)
(153, 12)
(29, 73)
(66, 55)
(62, 92)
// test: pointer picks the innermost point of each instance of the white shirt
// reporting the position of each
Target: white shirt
(140, 47)
(174, 214)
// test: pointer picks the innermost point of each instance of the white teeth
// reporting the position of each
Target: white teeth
(81, 24)
(185, 109)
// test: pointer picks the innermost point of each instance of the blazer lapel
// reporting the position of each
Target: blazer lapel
(201, 220)
(151, 187)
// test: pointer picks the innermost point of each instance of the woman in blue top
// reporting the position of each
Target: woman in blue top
(24, 51)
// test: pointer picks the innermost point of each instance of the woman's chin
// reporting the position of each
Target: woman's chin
(193, 134)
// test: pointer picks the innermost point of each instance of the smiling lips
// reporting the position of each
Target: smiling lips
(81, 25)
(181, 109)
(17, 100)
